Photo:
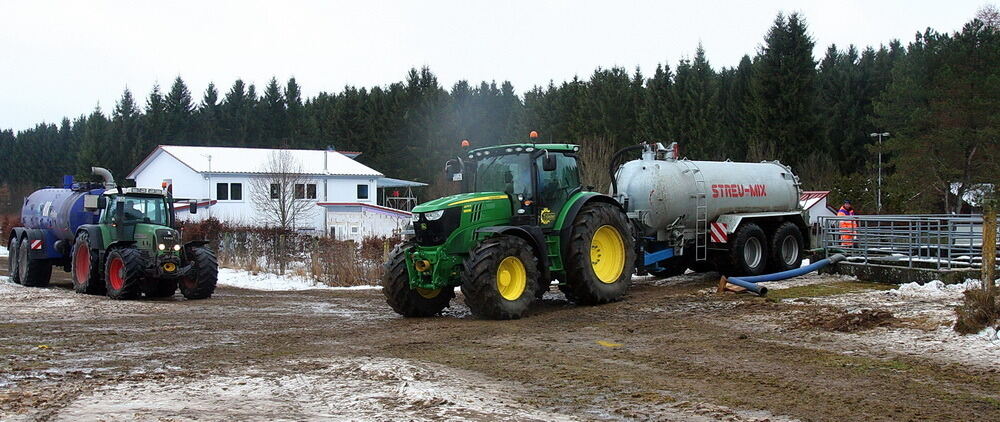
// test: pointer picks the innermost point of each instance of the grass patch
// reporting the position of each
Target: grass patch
(825, 289)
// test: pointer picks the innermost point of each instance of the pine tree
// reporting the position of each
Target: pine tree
(784, 95)
(179, 112)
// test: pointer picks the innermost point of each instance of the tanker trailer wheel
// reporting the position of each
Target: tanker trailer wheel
(786, 248)
(13, 247)
(200, 282)
(404, 300)
(33, 272)
(748, 251)
(86, 267)
(600, 257)
(500, 277)
(123, 273)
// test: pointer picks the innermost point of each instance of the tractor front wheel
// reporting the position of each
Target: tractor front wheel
(200, 282)
(500, 277)
(600, 257)
(123, 273)
(403, 299)
(86, 267)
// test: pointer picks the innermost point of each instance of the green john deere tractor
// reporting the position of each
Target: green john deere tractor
(523, 221)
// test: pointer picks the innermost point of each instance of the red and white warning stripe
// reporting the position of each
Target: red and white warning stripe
(36, 244)
(718, 233)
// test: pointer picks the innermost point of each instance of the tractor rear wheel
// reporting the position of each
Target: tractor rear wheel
(500, 277)
(786, 248)
(123, 273)
(200, 282)
(748, 253)
(13, 247)
(86, 267)
(34, 272)
(403, 299)
(600, 257)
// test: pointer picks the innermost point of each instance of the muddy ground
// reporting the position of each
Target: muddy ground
(671, 351)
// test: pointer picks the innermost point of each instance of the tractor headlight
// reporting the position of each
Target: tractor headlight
(415, 217)
(162, 246)
(433, 215)
(177, 248)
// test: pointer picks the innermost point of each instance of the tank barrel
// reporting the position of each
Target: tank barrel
(109, 180)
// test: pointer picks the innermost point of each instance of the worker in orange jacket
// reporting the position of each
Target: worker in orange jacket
(847, 226)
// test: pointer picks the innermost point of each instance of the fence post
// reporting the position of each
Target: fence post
(989, 245)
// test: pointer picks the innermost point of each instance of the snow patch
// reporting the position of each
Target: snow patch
(340, 389)
(3, 251)
(935, 289)
(274, 282)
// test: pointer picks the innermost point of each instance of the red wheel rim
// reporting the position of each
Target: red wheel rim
(115, 273)
(81, 265)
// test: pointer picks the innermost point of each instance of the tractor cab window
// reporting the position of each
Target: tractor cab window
(139, 209)
(505, 173)
(556, 186)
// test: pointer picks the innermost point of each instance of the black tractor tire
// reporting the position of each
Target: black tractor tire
(748, 251)
(123, 273)
(161, 288)
(86, 268)
(583, 285)
(787, 245)
(34, 272)
(406, 301)
(492, 275)
(13, 264)
(200, 282)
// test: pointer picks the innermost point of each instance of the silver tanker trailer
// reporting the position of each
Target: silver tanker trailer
(739, 218)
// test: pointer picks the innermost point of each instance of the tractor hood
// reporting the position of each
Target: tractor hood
(456, 200)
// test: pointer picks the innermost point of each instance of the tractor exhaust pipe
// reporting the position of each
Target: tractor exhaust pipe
(109, 180)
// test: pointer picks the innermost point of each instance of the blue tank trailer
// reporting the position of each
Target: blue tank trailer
(121, 242)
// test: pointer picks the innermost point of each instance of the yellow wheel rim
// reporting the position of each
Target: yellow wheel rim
(511, 278)
(607, 254)
(428, 293)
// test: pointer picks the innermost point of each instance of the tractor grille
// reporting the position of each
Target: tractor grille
(433, 233)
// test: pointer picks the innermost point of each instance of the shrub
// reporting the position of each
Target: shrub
(980, 309)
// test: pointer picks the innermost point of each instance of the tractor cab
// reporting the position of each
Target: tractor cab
(538, 178)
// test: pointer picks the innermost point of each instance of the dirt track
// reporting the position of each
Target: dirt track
(670, 351)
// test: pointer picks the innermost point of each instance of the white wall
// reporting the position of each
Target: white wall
(187, 182)
(358, 222)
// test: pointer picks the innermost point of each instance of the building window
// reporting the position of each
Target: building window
(235, 191)
(229, 191)
(305, 191)
(362, 191)
(275, 191)
(222, 191)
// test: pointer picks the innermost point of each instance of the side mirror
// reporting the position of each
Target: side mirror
(193, 207)
(549, 162)
(102, 202)
(91, 203)
(453, 169)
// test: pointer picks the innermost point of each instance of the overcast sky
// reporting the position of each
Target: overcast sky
(63, 58)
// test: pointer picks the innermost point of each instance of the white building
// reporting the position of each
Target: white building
(345, 192)
(814, 201)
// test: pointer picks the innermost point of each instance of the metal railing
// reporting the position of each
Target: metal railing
(924, 241)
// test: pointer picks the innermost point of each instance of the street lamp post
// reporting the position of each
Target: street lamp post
(878, 200)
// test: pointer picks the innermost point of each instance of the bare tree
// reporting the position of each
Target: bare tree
(595, 154)
(279, 194)
(990, 16)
